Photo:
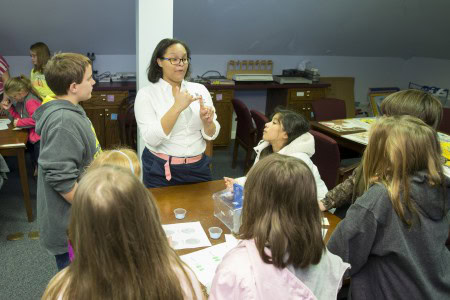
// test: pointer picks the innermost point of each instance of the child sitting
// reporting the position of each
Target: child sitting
(121, 250)
(21, 104)
(394, 234)
(287, 134)
(122, 157)
(282, 254)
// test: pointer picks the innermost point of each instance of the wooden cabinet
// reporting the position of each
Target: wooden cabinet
(298, 99)
(224, 111)
(103, 111)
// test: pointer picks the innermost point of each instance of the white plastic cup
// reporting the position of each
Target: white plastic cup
(215, 232)
(180, 213)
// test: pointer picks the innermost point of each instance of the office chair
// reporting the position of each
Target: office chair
(326, 109)
(260, 122)
(245, 132)
(327, 160)
(127, 123)
(445, 122)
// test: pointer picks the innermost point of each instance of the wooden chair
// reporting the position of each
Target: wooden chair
(127, 123)
(326, 109)
(245, 132)
(260, 122)
(445, 122)
(327, 160)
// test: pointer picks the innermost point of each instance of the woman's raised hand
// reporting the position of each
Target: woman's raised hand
(206, 112)
(182, 99)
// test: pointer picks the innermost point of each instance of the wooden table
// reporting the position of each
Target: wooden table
(197, 200)
(337, 136)
(12, 143)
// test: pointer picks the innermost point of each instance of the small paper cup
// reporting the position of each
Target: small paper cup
(215, 232)
(180, 213)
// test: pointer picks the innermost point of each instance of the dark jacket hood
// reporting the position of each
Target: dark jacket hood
(45, 111)
(429, 200)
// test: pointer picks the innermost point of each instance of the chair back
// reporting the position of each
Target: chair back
(260, 122)
(445, 122)
(127, 123)
(326, 158)
(326, 109)
(245, 130)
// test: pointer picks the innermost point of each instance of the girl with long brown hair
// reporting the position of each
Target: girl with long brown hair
(282, 254)
(394, 234)
(121, 250)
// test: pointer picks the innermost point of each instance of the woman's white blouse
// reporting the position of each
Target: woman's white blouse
(187, 137)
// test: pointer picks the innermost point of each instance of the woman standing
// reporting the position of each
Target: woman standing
(174, 117)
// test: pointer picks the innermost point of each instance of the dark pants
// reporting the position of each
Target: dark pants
(62, 260)
(154, 173)
(34, 151)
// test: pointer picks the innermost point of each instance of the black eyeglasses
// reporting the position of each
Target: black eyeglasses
(176, 61)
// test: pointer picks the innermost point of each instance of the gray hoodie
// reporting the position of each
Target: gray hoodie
(68, 144)
(390, 260)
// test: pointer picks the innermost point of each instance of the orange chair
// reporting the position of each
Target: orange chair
(245, 132)
(260, 122)
(326, 109)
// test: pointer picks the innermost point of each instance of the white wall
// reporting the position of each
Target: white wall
(368, 71)
(154, 21)
(112, 63)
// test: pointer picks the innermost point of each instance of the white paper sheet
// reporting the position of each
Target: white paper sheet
(3, 126)
(204, 262)
(325, 222)
(187, 235)
(5, 121)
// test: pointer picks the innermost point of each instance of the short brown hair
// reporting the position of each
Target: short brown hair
(281, 212)
(42, 55)
(63, 69)
(415, 103)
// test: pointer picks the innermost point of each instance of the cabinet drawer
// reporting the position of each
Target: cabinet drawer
(306, 94)
(221, 95)
(304, 108)
(106, 98)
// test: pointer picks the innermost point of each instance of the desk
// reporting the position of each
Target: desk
(8, 139)
(338, 136)
(197, 200)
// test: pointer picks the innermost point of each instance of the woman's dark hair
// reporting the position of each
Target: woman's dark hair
(294, 124)
(154, 71)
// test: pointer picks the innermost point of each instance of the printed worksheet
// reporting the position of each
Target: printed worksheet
(204, 262)
(186, 235)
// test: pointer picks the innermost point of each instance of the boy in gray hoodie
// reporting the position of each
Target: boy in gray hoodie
(68, 145)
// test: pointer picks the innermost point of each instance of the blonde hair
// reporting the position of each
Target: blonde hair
(42, 55)
(281, 214)
(63, 69)
(18, 84)
(415, 103)
(121, 250)
(399, 147)
(123, 157)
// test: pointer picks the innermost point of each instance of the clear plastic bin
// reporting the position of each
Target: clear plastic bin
(225, 210)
